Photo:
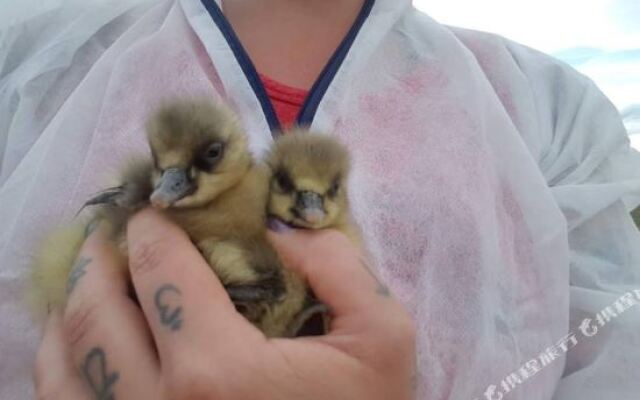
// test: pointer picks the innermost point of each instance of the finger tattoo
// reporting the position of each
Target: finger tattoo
(95, 372)
(167, 301)
(381, 289)
(77, 271)
(91, 227)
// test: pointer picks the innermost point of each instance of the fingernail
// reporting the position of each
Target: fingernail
(276, 225)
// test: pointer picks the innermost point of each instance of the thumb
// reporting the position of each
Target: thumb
(334, 268)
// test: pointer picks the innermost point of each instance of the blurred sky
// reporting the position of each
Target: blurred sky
(600, 38)
(549, 25)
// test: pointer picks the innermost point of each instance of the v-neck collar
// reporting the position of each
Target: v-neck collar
(320, 86)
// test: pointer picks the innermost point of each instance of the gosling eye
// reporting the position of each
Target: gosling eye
(333, 190)
(210, 156)
(283, 180)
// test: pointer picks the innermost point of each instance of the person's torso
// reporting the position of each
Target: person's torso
(455, 212)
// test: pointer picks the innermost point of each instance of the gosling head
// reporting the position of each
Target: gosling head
(308, 185)
(199, 150)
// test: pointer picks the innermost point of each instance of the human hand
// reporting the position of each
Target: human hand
(187, 341)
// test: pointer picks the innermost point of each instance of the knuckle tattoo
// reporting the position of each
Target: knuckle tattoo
(167, 301)
(96, 373)
(381, 289)
(77, 271)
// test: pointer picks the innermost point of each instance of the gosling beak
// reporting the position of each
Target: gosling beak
(309, 207)
(174, 185)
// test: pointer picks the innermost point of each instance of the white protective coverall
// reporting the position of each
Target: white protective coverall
(492, 183)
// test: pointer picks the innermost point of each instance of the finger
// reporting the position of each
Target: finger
(365, 316)
(186, 305)
(106, 331)
(56, 377)
(334, 268)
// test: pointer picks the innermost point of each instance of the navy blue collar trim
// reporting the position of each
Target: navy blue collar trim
(245, 63)
(320, 86)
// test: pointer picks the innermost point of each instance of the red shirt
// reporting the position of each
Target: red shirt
(286, 100)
